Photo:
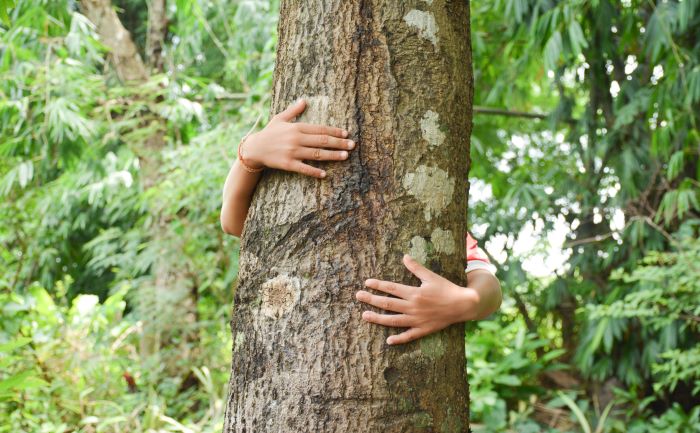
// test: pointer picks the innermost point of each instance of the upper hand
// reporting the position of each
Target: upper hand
(284, 144)
(436, 304)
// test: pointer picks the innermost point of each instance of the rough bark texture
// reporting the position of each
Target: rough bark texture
(157, 30)
(397, 75)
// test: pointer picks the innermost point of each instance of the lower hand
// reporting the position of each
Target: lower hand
(284, 144)
(436, 304)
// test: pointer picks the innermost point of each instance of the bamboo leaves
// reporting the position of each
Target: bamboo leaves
(5, 6)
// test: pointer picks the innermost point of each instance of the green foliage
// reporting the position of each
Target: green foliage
(614, 166)
(77, 244)
(581, 417)
(662, 303)
(503, 368)
(5, 6)
(65, 367)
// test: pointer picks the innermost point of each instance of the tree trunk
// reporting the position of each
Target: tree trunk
(123, 51)
(398, 76)
(157, 30)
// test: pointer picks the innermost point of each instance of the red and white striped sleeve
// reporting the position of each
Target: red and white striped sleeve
(477, 258)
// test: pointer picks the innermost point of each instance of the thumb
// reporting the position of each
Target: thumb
(292, 111)
(424, 274)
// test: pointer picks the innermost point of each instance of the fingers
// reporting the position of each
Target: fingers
(383, 302)
(292, 111)
(311, 154)
(395, 289)
(306, 169)
(308, 128)
(424, 274)
(326, 141)
(394, 320)
(405, 337)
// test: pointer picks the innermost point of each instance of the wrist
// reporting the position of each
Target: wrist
(248, 153)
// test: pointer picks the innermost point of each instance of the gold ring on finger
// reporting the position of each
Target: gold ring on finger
(317, 154)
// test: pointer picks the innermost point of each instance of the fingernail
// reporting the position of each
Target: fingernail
(351, 144)
(323, 174)
(365, 315)
(345, 134)
(343, 154)
(389, 341)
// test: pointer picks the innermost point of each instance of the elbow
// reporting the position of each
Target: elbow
(229, 228)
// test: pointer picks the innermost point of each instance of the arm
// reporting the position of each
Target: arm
(283, 145)
(238, 192)
(436, 304)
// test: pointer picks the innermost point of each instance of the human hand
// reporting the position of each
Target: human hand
(436, 304)
(284, 144)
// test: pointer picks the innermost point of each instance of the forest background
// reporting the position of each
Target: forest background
(585, 190)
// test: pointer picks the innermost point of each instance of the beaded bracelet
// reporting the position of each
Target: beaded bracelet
(240, 145)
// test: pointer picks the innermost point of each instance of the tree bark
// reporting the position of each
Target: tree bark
(157, 31)
(398, 76)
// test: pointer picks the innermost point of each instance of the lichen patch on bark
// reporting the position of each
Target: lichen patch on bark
(430, 129)
(425, 23)
(422, 420)
(279, 295)
(432, 346)
(433, 187)
(418, 249)
(238, 341)
(451, 423)
(443, 241)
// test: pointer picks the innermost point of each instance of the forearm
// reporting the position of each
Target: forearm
(238, 193)
(482, 295)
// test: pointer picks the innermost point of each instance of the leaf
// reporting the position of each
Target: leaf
(686, 13)
(692, 93)
(585, 426)
(628, 113)
(507, 379)
(603, 417)
(5, 6)
(552, 51)
(659, 29)
(14, 344)
(576, 37)
(22, 381)
(675, 165)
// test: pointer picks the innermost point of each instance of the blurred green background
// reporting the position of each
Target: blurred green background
(585, 190)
